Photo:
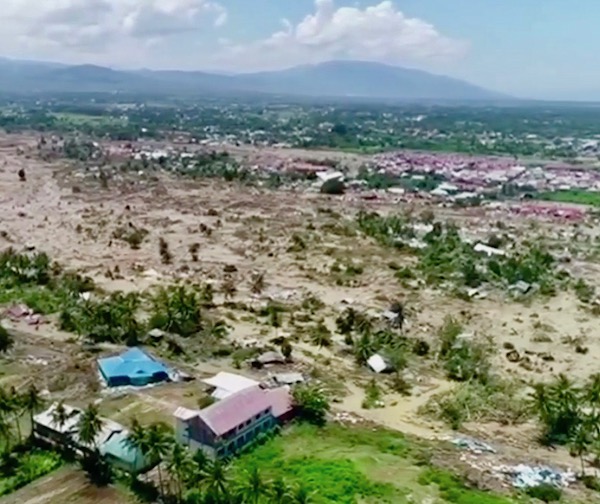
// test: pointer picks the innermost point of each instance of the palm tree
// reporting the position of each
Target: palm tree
(60, 416)
(16, 403)
(301, 495)
(9, 408)
(363, 348)
(159, 441)
(215, 329)
(253, 487)
(257, 283)
(200, 465)
(137, 440)
(217, 483)
(89, 426)
(6, 340)
(580, 444)
(279, 491)
(321, 336)
(179, 465)
(32, 402)
(311, 403)
(592, 391)
(6, 434)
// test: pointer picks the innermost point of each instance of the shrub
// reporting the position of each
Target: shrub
(545, 492)
(29, 467)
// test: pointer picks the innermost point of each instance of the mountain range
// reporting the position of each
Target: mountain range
(334, 79)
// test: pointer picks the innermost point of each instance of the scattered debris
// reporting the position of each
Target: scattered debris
(473, 445)
(288, 378)
(524, 476)
(268, 358)
(513, 356)
(377, 363)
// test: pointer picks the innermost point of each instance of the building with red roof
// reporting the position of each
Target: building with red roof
(227, 426)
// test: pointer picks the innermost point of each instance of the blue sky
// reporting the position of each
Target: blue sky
(529, 48)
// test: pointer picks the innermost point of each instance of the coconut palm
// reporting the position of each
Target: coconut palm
(279, 491)
(179, 465)
(311, 403)
(363, 348)
(217, 483)
(215, 329)
(60, 416)
(89, 426)
(301, 495)
(321, 336)
(200, 465)
(6, 434)
(257, 283)
(253, 487)
(592, 391)
(159, 440)
(137, 440)
(10, 408)
(580, 444)
(32, 402)
(6, 340)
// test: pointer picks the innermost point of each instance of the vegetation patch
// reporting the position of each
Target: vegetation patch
(19, 469)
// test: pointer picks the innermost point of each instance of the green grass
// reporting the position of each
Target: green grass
(28, 467)
(577, 196)
(40, 299)
(349, 465)
(454, 491)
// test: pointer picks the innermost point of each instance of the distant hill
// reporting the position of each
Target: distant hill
(335, 79)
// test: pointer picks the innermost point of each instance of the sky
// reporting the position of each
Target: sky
(543, 49)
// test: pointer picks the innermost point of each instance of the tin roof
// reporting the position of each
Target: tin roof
(234, 410)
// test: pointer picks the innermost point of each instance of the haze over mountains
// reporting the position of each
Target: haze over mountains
(335, 79)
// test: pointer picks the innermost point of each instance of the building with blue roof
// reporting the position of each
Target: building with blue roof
(133, 367)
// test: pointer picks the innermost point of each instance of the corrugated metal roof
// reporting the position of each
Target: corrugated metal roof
(134, 362)
(185, 414)
(235, 410)
(227, 384)
(280, 400)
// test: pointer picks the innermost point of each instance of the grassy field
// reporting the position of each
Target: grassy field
(346, 465)
(576, 196)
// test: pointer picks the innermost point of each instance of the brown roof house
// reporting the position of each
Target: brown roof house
(227, 426)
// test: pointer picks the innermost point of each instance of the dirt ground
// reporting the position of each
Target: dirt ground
(70, 216)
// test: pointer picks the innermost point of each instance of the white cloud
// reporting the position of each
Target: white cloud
(378, 33)
(105, 27)
(137, 33)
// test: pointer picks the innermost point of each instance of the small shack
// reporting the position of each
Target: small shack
(133, 367)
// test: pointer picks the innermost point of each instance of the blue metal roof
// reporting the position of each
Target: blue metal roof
(134, 363)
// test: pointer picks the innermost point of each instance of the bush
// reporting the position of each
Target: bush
(29, 467)
(311, 403)
(335, 187)
(545, 492)
(455, 491)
